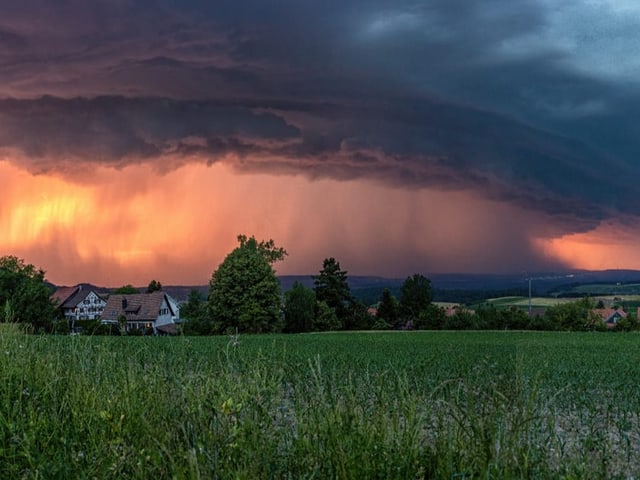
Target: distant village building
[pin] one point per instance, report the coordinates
(155, 311)
(610, 316)
(451, 311)
(79, 303)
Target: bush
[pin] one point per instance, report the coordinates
(106, 329)
(432, 318)
(86, 327)
(60, 327)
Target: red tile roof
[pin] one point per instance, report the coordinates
(63, 294)
(80, 295)
(140, 307)
(70, 297)
(609, 313)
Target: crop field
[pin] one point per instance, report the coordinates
(630, 303)
(524, 301)
(340, 405)
(626, 289)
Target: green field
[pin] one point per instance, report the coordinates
(616, 289)
(341, 405)
(524, 301)
(629, 303)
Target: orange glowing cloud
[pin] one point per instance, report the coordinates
(33, 206)
(132, 225)
(609, 246)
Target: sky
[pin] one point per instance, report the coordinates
(139, 138)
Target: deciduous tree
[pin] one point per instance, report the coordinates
(244, 293)
(415, 296)
(127, 289)
(388, 309)
(326, 318)
(433, 317)
(299, 309)
(154, 286)
(24, 295)
(194, 314)
(576, 316)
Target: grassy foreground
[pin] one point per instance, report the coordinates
(345, 405)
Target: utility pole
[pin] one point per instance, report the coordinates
(529, 297)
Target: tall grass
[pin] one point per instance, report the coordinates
(393, 405)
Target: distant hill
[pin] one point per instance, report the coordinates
(355, 281)
(181, 292)
(469, 288)
(461, 287)
(542, 283)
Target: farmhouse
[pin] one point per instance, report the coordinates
(610, 316)
(79, 303)
(155, 311)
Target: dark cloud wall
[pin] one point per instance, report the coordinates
(517, 100)
(423, 144)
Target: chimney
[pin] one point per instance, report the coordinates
(124, 303)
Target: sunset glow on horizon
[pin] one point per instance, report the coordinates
(607, 247)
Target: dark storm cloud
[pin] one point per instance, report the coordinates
(514, 99)
(114, 130)
(425, 144)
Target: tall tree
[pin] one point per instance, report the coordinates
(154, 286)
(24, 295)
(194, 314)
(326, 318)
(244, 293)
(266, 248)
(299, 309)
(415, 296)
(432, 318)
(332, 287)
(388, 309)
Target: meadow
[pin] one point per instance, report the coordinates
(337, 405)
(523, 302)
(628, 302)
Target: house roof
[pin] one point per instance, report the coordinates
(78, 297)
(62, 294)
(135, 307)
(70, 297)
(610, 314)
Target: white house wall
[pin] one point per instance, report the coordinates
(91, 308)
(166, 318)
(175, 307)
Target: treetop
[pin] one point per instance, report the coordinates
(267, 249)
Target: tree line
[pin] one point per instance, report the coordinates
(245, 297)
